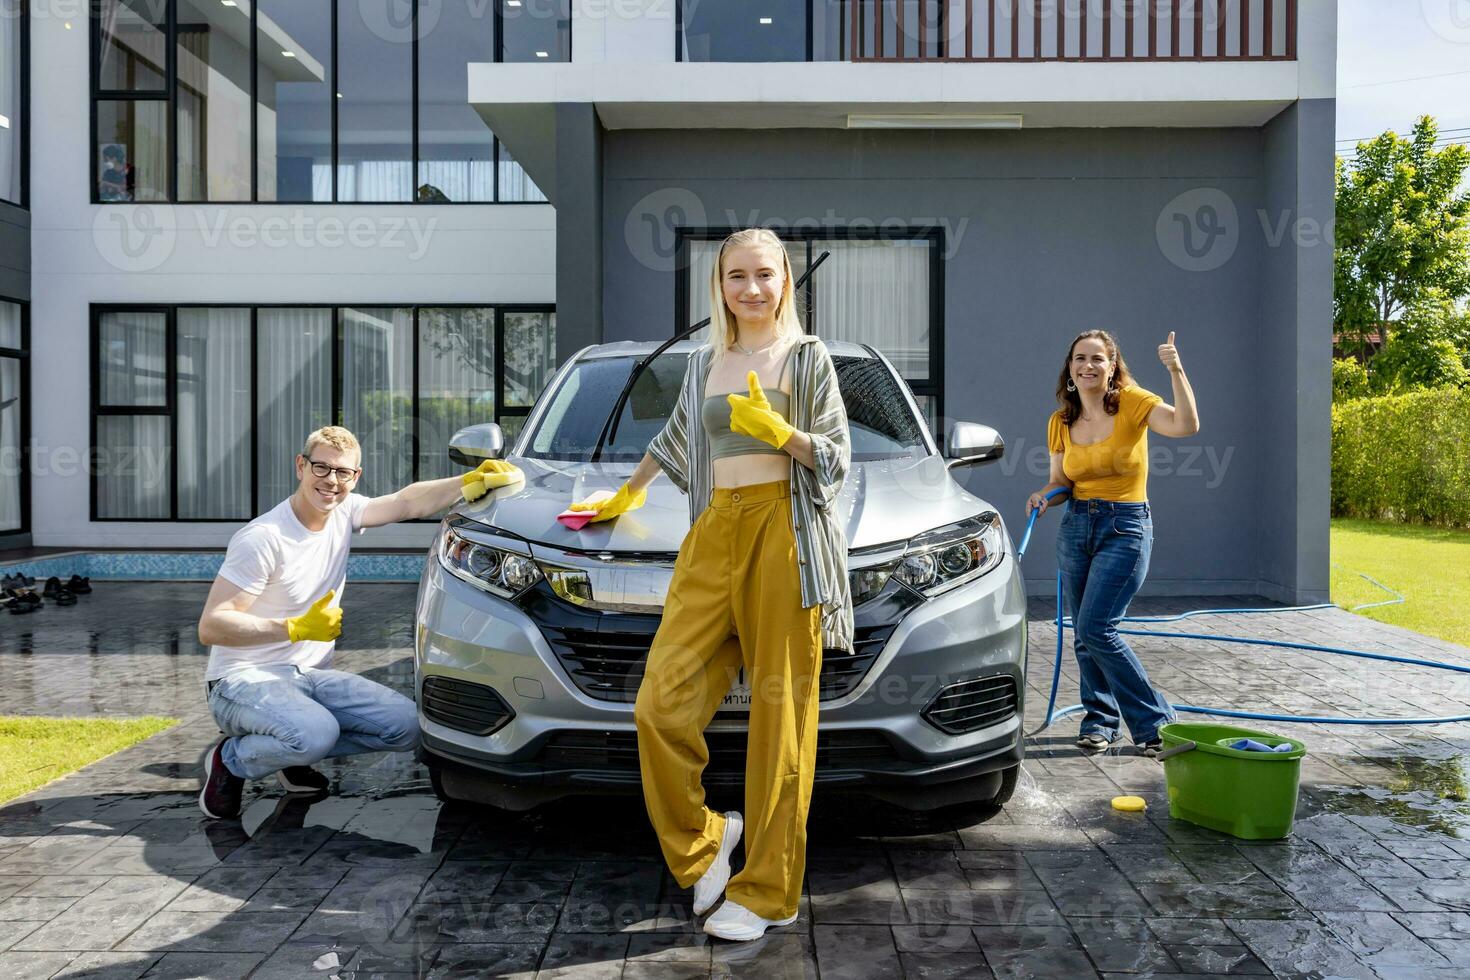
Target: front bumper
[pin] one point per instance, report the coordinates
(874, 739)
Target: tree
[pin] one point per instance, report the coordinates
(1403, 232)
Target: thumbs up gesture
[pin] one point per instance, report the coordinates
(322, 621)
(1169, 354)
(753, 415)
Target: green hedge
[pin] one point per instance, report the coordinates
(1403, 457)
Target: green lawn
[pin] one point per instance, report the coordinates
(1429, 565)
(34, 751)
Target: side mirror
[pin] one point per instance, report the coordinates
(971, 442)
(474, 444)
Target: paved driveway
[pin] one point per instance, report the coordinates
(112, 872)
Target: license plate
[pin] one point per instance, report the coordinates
(738, 697)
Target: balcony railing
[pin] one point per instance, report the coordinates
(1071, 30)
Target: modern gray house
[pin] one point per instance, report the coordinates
(990, 179)
(246, 219)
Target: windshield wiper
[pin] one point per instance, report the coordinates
(609, 425)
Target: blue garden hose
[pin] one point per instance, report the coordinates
(1052, 714)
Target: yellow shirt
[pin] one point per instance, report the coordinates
(1116, 468)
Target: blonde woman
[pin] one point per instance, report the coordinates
(759, 441)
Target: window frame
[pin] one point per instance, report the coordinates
(24, 96)
(842, 20)
(23, 355)
(168, 94)
(932, 387)
(170, 408)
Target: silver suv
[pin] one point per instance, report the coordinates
(531, 638)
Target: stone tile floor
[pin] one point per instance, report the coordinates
(112, 872)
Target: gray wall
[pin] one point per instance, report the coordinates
(1051, 232)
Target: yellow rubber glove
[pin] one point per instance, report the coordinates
(487, 476)
(619, 503)
(320, 622)
(753, 415)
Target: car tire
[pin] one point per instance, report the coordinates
(1008, 780)
(436, 781)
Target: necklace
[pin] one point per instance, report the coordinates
(747, 351)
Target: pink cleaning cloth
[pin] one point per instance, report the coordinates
(575, 519)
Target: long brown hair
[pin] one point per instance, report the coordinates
(1121, 378)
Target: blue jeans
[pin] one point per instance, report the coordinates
(1103, 550)
(280, 715)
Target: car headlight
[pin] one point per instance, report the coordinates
(505, 573)
(865, 583)
(939, 560)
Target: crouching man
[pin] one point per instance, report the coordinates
(273, 615)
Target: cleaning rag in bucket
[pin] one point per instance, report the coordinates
(1251, 745)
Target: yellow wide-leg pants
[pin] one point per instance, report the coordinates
(735, 600)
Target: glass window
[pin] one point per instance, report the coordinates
(456, 381)
(456, 148)
(134, 40)
(132, 466)
(536, 30)
(759, 30)
(11, 471)
(132, 360)
(293, 113)
(293, 392)
(132, 151)
(877, 292)
(12, 38)
(830, 26)
(375, 101)
(530, 356)
(213, 408)
(515, 183)
(377, 393)
(10, 325)
(213, 98)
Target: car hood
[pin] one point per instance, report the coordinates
(882, 501)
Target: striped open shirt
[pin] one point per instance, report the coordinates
(682, 450)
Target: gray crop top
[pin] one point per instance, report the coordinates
(715, 414)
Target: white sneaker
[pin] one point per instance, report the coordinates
(734, 921)
(711, 884)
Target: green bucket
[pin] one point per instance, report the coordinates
(1250, 795)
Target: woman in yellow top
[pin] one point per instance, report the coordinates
(1098, 441)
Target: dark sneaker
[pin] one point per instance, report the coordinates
(220, 797)
(1151, 748)
(1093, 741)
(302, 779)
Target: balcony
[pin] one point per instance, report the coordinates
(987, 30)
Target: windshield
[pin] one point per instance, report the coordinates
(880, 422)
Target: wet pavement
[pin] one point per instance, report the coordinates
(113, 872)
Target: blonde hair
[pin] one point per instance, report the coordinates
(336, 437)
(722, 328)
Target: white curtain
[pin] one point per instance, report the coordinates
(132, 359)
(377, 393)
(213, 408)
(460, 180)
(132, 466)
(877, 292)
(10, 469)
(370, 180)
(457, 360)
(294, 392)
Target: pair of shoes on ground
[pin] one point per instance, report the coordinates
(20, 600)
(1094, 742)
(731, 920)
(219, 798)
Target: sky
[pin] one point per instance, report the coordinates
(1398, 60)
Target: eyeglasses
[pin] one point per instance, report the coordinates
(322, 469)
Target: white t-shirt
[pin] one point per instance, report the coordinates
(288, 567)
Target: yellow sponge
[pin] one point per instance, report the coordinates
(1129, 804)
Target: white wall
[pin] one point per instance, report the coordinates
(84, 253)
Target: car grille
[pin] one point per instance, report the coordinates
(971, 705)
(604, 653)
(618, 751)
(463, 706)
